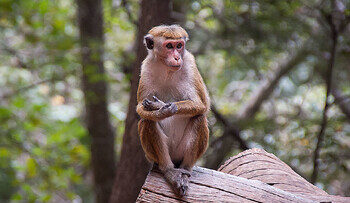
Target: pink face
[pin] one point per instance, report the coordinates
(173, 51)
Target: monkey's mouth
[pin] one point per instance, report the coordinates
(174, 67)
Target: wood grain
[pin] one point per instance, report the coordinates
(257, 164)
(258, 177)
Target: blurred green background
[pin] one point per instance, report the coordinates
(273, 54)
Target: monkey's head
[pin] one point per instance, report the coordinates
(167, 43)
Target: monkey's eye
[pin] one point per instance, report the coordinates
(169, 46)
(179, 45)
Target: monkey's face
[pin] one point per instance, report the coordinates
(169, 51)
(172, 52)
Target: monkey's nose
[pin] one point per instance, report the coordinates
(177, 58)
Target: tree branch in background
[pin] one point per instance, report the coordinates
(342, 101)
(229, 128)
(19, 90)
(329, 73)
(223, 145)
(126, 6)
(13, 52)
(263, 93)
(22, 64)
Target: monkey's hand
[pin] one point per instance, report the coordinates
(168, 110)
(156, 104)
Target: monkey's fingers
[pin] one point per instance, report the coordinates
(147, 104)
(173, 108)
(156, 99)
(167, 105)
(168, 110)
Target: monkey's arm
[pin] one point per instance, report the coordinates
(152, 110)
(200, 104)
(191, 108)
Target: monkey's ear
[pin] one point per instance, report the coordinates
(148, 41)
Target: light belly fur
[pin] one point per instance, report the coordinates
(174, 128)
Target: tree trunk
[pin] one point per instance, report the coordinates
(95, 96)
(133, 166)
(251, 176)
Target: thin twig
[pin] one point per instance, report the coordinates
(21, 89)
(125, 4)
(329, 73)
(266, 88)
(229, 128)
(14, 53)
(23, 65)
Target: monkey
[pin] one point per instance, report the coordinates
(173, 103)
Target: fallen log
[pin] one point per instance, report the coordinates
(251, 176)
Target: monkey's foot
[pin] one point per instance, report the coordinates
(179, 179)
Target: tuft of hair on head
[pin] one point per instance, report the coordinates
(169, 32)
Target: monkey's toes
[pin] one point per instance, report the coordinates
(178, 179)
(185, 172)
(182, 185)
(183, 190)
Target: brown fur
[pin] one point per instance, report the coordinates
(169, 32)
(154, 144)
(174, 129)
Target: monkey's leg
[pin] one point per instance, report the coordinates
(155, 144)
(195, 140)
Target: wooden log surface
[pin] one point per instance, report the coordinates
(251, 176)
(257, 164)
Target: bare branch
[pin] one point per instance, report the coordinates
(223, 145)
(126, 6)
(329, 73)
(231, 129)
(19, 90)
(264, 92)
(23, 65)
(15, 53)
